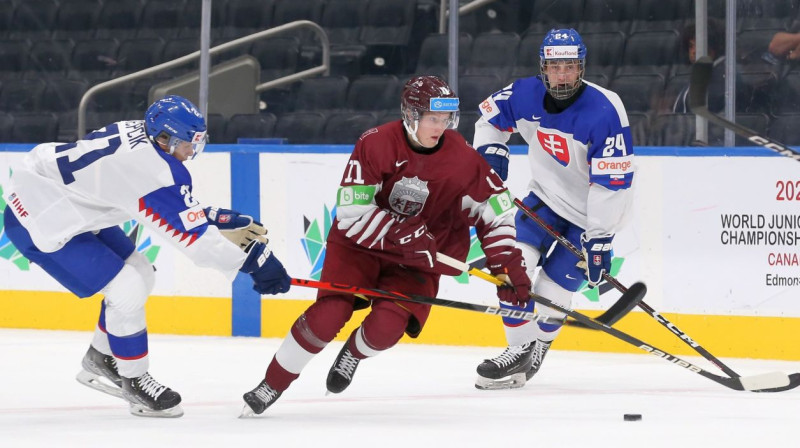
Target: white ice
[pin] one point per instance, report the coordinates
(412, 396)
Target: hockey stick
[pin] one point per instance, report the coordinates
(768, 382)
(642, 304)
(613, 314)
(373, 292)
(698, 102)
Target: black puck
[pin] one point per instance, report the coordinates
(632, 417)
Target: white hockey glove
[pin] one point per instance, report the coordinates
(240, 229)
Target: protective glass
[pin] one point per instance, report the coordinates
(198, 143)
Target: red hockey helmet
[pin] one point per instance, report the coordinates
(427, 94)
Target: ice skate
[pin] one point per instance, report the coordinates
(507, 371)
(539, 351)
(341, 374)
(259, 399)
(100, 373)
(149, 398)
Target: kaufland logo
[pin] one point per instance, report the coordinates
(561, 52)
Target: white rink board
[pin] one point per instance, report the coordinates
(672, 243)
(706, 204)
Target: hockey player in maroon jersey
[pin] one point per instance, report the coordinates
(411, 188)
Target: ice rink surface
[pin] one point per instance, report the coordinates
(411, 396)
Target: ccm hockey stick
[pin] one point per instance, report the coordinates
(768, 382)
(615, 312)
(698, 102)
(792, 380)
(373, 292)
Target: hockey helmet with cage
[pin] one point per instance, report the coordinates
(563, 47)
(174, 119)
(427, 94)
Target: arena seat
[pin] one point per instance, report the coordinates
(325, 93)
(493, 54)
(301, 127)
(347, 127)
(77, 19)
(250, 126)
(374, 93)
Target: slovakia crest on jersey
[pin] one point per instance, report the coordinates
(408, 196)
(555, 145)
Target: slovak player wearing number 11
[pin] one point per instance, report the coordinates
(65, 205)
(581, 160)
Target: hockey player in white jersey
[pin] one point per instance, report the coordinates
(581, 161)
(65, 204)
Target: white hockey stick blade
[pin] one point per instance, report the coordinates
(99, 383)
(143, 411)
(770, 380)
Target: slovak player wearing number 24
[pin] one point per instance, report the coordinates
(411, 188)
(65, 204)
(581, 160)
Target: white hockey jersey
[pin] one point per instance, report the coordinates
(581, 159)
(111, 176)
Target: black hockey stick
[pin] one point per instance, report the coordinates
(768, 382)
(615, 312)
(698, 102)
(373, 292)
(642, 304)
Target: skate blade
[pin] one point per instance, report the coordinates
(98, 382)
(247, 412)
(514, 381)
(143, 411)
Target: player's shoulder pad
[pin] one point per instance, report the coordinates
(603, 98)
(380, 132)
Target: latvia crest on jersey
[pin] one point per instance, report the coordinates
(554, 144)
(408, 196)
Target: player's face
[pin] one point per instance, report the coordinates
(431, 127)
(563, 72)
(183, 151)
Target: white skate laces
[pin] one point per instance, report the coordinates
(150, 386)
(346, 366)
(510, 355)
(265, 393)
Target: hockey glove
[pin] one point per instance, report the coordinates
(269, 276)
(497, 157)
(240, 229)
(598, 253)
(511, 269)
(413, 242)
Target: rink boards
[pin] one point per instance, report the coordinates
(713, 235)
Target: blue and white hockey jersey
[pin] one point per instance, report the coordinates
(111, 176)
(581, 158)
